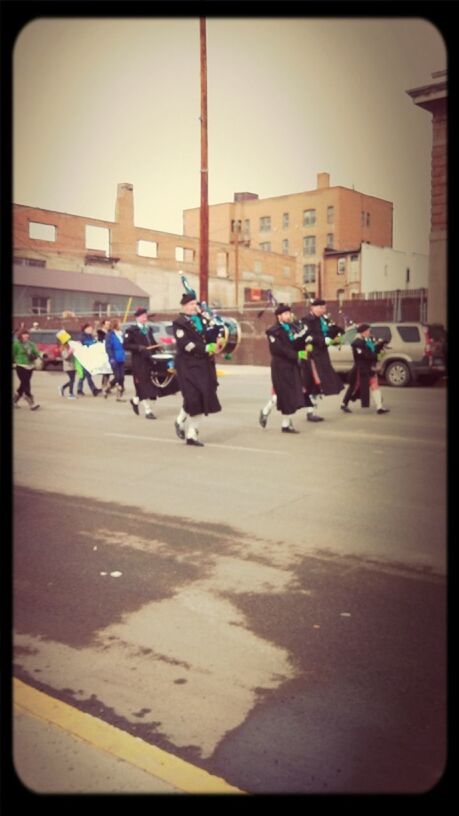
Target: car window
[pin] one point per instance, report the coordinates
(349, 336)
(409, 334)
(437, 332)
(381, 332)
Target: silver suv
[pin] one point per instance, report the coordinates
(413, 351)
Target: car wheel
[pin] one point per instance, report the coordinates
(397, 374)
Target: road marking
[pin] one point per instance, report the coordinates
(207, 445)
(357, 436)
(182, 775)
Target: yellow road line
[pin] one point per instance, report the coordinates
(182, 775)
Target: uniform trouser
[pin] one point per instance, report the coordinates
(87, 376)
(25, 376)
(71, 380)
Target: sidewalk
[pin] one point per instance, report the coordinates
(59, 749)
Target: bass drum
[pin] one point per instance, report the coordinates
(232, 335)
(163, 374)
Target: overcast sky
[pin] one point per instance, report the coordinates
(103, 101)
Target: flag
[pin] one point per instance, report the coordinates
(93, 358)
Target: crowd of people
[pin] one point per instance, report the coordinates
(301, 369)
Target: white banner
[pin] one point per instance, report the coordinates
(93, 358)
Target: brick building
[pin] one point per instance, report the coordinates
(302, 225)
(45, 239)
(433, 98)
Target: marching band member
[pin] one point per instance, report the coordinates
(318, 374)
(195, 367)
(285, 372)
(363, 377)
(139, 340)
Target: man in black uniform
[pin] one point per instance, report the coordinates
(139, 340)
(195, 367)
(285, 372)
(318, 375)
(363, 377)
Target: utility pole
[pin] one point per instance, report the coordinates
(204, 212)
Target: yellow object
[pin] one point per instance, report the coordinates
(63, 336)
(177, 772)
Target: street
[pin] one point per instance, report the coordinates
(271, 608)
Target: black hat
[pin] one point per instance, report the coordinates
(186, 297)
(282, 307)
(317, 302)
(140, 311)
(363, 327)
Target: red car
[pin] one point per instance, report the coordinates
(48, 344)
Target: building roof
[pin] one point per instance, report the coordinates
(75, 281)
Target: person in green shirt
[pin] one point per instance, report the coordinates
(24, 355)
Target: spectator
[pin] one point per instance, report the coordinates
(24, 355)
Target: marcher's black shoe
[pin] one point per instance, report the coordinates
(315, 418)
(383, 411)
(345, 409)
(150, 416)
(135, 407)
(179, 431)
(289, 430)
(195, 442)
(262, 419)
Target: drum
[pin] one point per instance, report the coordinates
(232, 335)
(163, 373)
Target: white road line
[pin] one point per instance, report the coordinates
(357, 436)
(207, 444)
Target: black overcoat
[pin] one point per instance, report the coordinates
(363, 370)
(318, 365)
(285, 371)
(135, 341)
(195, 368)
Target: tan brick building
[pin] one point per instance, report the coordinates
(150, 258)
(301, 225)
(433, 98)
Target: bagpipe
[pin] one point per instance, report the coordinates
(222, 330)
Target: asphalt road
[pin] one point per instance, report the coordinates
(269, 607)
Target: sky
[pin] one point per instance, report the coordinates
(103, 101)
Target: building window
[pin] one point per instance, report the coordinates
(41, 305)
(287, 272)
(42, 232)
(368, 219)
(98, 238)
(330, 240)
(29, 262)
(309, 273)
(257, 267)
(341, 266)
(309, 217)
(407, 279)
(236, 226)
(246, 224)
(340, 296)
(330, 215)
(285, 246)
(309, 245)
(147, 249)
(285, 220)
(265, 223)
(99, 308)
(362, 218)
(265, 246)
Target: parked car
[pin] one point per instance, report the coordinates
(48, 344)
(163, 333)
(415, 351)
